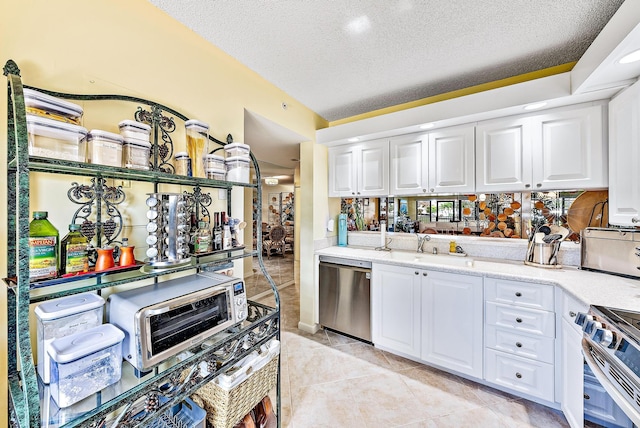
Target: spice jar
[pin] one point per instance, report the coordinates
(197, 144)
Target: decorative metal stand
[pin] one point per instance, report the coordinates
(163, 149)
(197, 203)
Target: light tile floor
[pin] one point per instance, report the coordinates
(329, 380)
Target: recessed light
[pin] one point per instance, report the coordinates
(359, 25)
(353, 140)
(535, 106)
(427, 125)
(631, 57)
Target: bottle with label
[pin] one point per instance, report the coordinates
(43, 247)
(226, 232)
(217, 232)
(202, 243)
(73, 251)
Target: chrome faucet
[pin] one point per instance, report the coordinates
(422, 238)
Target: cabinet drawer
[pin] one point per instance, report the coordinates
(570, 308)
(521, 374)
(537, 296)
(525, 320)
(539, 348)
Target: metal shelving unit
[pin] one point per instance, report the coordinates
(174, 379)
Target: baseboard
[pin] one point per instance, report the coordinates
(309, 328)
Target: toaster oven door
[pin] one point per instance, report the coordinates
(172, 327)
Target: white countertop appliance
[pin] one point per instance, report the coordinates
(164, 319)
(615, 251)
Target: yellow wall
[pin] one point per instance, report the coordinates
(133, 48)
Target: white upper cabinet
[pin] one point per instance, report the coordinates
(438, 162)
(360, 170)
(503, 154)
(569, 149)
(561, 149)
(624, 158)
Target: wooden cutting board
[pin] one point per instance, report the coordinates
(588, 203)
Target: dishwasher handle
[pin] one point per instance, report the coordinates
(349, 267)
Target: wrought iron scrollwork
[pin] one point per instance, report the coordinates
(98, 214)
(197, 203)
(163, 146)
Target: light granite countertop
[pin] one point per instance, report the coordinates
(591, 288)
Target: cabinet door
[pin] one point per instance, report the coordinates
(452, 321)
(395, 309)
(409, 166)
(569, 150)
(624, 157)
(372, 165)
(503, 155)
(572, 373)
(451, 160)
(342, 171)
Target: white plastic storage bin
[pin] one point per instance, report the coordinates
(237, 169)
(63, 317)
(136, 153)
(104, 148)
(85, 363)
(54, 139)
(133, 129)
(216, 174)
(212, 161)
(237, 149)
(40, 104)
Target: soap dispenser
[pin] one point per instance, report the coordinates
(342, 230)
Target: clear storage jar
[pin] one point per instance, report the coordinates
(136, 153)
(216, 173)
(237, 169)
(104, 148)
(85, 363)
(63, 317)
(212, 161)
(134, 129)
(237, 149)
(40, 104)
(54, 139)
(197, 145)
(182, 164)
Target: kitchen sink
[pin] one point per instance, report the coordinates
(444, 259)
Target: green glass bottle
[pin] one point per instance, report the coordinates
(73, 251)
(43, 247)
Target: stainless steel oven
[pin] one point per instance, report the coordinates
(611, 347)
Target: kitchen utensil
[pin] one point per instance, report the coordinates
(544, 229)
(589, 210)
(538, 238)
(555, 229)
(548, 239)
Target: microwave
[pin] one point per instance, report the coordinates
(164, 319)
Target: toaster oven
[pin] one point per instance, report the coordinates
(615, 251)
(164, 319)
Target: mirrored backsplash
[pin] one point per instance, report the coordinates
(498, 215)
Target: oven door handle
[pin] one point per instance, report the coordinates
(613, 392)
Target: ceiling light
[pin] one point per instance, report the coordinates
(535, 106)
(427, 125)
(359, 25)
(271, 181)
(631, 57)
(353, 140)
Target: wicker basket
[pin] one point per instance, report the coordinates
(225, 408)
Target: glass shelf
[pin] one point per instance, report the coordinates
(57, 166)
(60, 287)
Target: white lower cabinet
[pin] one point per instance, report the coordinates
(395, 309)
(520, 336)
(452, 321)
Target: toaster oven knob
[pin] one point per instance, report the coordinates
(582, 318)
(239, 301)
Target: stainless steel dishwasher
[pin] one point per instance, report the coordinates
(345, 296)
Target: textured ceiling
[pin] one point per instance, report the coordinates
(345, 57)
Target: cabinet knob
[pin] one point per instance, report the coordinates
(353, 193)
(539, 185)
(424, 190)
(586, 396)
(518, 294)
(527, 186)
(358, 193)
(635, 220)
(417, 273)
(518, 319)
(518, 375)
(572, 314)
(432, 190)
(424, 274)
(519, 345)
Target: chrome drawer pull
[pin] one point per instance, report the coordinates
(518, 375)
(519, 345)
(518, 294)
(518, 319)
